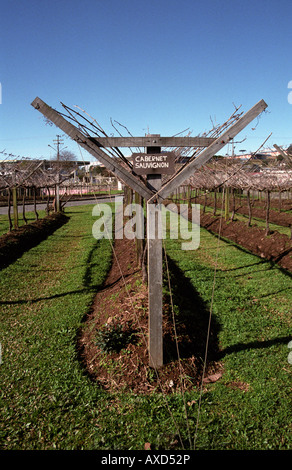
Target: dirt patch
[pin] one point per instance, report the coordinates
(244, 387)
(13, 244)
(127, 369)
(279, 218)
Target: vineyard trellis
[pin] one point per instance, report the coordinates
(25, 175)
(90, 136)
(238, 177)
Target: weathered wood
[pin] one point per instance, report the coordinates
(15, 208)
(9, 210)
(88, 144)
(153, 141)
(155, 289)
(23, 207)
(162, 163)
(249, 208)
(210, 151)
(284, 154)
(48, 201)
(268, 196)
(153, 193)
(226, 203)
(34, 203)
(154, 244)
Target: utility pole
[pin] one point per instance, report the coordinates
(58, 142)
(15, 207)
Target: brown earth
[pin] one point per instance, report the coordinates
(279, 218)
(275, 247)
(128, 369)
(258, 209)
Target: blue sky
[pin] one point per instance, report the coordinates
(162, 65)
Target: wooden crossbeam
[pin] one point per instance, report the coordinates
(210, 151)
(284, 154)
(153, 192)
(152, 141)
(110, 163)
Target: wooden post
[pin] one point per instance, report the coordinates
(227, 203)
(48, 201)
(189, 196)
(34, 202)
(268, 212)
(9, 210)
(249, 208)
(23, 207)
(233, 204)
(57, 190)
(154, 272)
(215, 201)
(15, 208)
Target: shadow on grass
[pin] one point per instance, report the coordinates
(88, 284)
(49, 297)
(15, 243)
(270, 263)
(191, 319)
(254, 345)
(192, 322)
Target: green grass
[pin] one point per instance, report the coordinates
(50, 289)
(30, 216)
(250, 407)
(48, 401)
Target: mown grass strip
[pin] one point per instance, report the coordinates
(44, 296)
(250, 407)
(48, 401)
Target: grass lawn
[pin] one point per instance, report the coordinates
(250, 407)
(30, 216)
(47, 400)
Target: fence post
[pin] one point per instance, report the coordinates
(154, 243)
(15, 208)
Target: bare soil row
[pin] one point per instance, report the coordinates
(128, 368)
(275, 247)
(258, 209)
